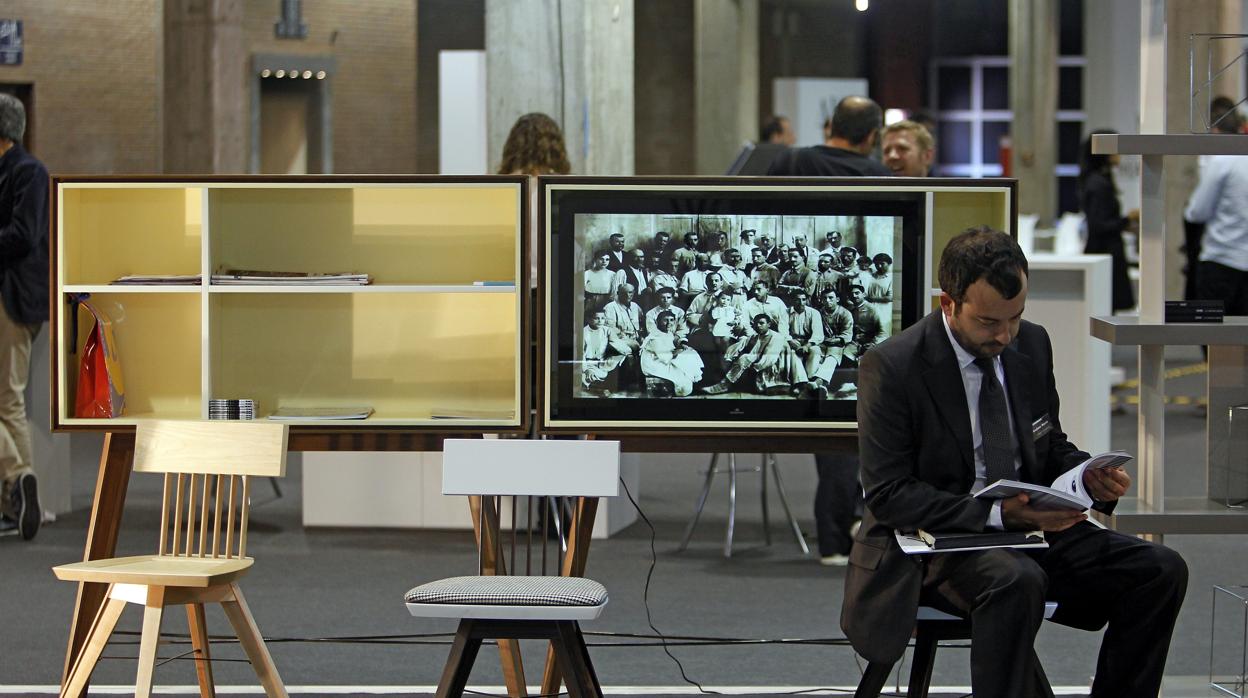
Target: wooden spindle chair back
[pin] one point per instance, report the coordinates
(528, 534)
(205, 503)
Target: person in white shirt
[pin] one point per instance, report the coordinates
(634, 274)
(747, 243)
(766, 304)
(678, 326)
(805, 334)
(694, 281)
(623, 318)
(597, 361)
(1221, 203)
(731, 272)
(598, 283)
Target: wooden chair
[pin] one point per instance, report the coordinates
(528, 603)
(208, 468)
(931, 625)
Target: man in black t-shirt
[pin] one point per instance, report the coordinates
(855, 127)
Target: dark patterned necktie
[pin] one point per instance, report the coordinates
(994, 426)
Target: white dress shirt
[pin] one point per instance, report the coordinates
(972, 377)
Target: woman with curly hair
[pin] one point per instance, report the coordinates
(535, 147)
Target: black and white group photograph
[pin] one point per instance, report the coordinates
(731, 306)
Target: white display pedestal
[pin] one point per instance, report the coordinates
(1063, 293)
(404, 490)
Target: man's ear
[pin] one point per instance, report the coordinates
(947, 305)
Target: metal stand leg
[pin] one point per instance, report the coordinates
(697, 512)
(762, 470)
(784, 500)
(732, 502)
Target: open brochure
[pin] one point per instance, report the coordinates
(1066, 492)
(922, 542)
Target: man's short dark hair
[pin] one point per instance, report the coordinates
(855, 119)
(747, 231)
(982, 253)
(882, 257)
(688, 237)
(772, 127)
(1223, 117)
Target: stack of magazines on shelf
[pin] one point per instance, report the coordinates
(158, 280)
(247, 277)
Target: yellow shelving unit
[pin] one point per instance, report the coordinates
(426, 344)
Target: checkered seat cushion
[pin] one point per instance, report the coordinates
(509, 597)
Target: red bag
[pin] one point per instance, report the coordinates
(101, 393)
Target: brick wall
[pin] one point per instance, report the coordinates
(374, 90)
(96, 72)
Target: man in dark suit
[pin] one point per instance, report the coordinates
(959, 398)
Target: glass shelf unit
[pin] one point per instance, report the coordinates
(433, 343)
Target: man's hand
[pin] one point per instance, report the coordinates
(1017, 514)
(1106, 484)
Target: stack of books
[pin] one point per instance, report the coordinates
(247, 277)
(157, 280)
(231, 409)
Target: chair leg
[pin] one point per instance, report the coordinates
(569, 662)
(873, 680)
(552, 673)
(513, 668)
(198, 626)
(459, 664)
(253, 644)
(589, 663)
(153, 613)
(921, 668)
(93, 647)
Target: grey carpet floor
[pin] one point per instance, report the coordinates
(319, 592)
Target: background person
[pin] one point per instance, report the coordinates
(908, 149)
(24, 292)
(1098, 199)
(855, 127)
(534, 147)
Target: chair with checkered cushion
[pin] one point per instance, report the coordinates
(545, 490)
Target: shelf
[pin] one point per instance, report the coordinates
(1129, 331)
(1180, 515)
(371, 288)
(1169, 144)
(131, 288)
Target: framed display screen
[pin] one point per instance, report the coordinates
(710, 305)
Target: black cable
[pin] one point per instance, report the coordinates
(645, 592)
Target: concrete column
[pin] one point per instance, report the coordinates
(1180, 20)
(725, 60)
(573, 61)
(1033, 99)
(205, 91)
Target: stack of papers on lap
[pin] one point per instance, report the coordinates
(923, 542)
(326, 413)
(244, 277)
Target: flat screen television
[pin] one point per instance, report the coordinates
(713, 304)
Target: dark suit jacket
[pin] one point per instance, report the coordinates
(918, 465)
(23, 236)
